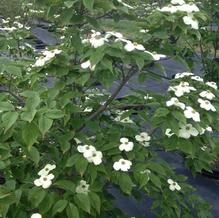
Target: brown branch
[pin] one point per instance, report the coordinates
(103, 107)
(131, 106)
(18, 98)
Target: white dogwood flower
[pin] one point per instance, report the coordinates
(173, 185)
(147, 97)
(169, 133)
(207, 94)
(174, 101)
(191, 21)
(83, 187)
(177, 2)
(182, 75)
(197, 78)
(88, 151)
(45, 181)
(87, 64)
(123, 165)
(205, 104)
(181, 89)
(211, 84)
(95, 157)
(191, 113)
(132, 46)
(208, 128)
(126, 145)
(186, 131)
(45, 171)
(97, 42)
(85, 148)
(36, 215)
(143, 138)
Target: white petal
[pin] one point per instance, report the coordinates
(37, 182)
(170, 181)
(116, 166)
(129, 47)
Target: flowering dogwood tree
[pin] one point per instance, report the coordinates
(65, 139)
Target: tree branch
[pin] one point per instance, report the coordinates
(103, 107)
(18, 98)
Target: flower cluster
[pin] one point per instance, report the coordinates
(91, 154)
(188, 130)
(143, 138)
(97, 39)
(46, 177)
(83, 187)
(46, 56)
(181, 6)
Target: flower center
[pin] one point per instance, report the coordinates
(45, 179)
(123, 162)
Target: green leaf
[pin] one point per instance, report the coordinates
(55, 114)
(81, 165)
(30, 134)
(125, 183)
(6, 106)
(83, 201)
(45, 124)
(66, 185)
(59, 206)
(155, 180)
(34, 155)
(70, 4)
(161, 112)
(179, 116)
(36, 195)
(28, 115)
(47, 202)
(72, 160)
(8, 119)
(72, 211)
(95, 201)
(88, 4)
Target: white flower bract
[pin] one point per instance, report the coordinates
(173, 185)
(174, 101)
(211, 84)
(191, 113)
(83, 187)
(207, 94)
(186, 131)
(205, 104)
(91, 154)
(169, 132)
(45, 181)
(126, 145)
(143, 138)
(45, 171)
(132, 46)
(123, 165)
(36, 215)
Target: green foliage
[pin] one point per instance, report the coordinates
(64, 142)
